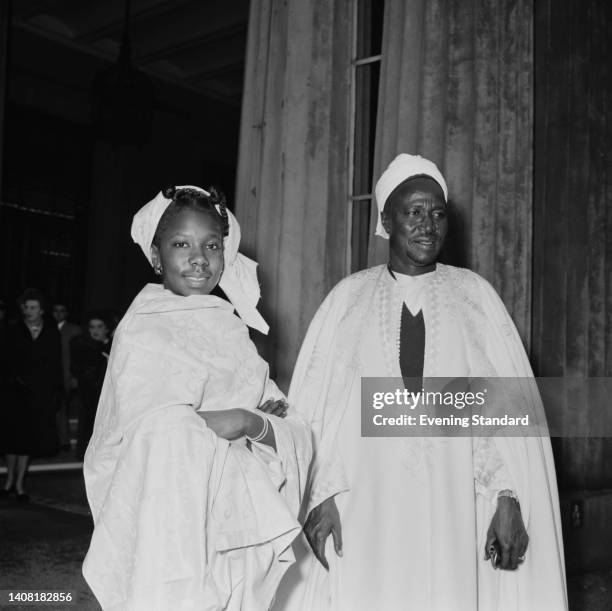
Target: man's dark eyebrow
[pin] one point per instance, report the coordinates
(424, 198)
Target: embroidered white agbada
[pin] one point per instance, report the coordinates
(415, 511)
(184, 519)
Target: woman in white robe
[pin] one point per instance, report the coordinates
(188, 514)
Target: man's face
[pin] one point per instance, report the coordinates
(415, 217)
(32, 311)
(60, 312)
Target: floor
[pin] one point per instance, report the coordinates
(44, 543)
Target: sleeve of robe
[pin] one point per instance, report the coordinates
(289, 463)
(315, 377)
(539, 582)
(490, 473)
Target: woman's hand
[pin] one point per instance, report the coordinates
(229, 424)
(276, 408)
(323, 520)
(506, 536)
(232, 424)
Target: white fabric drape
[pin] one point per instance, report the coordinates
(292, 170)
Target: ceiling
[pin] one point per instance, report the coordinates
(199, 45)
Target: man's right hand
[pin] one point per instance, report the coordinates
(323, 520)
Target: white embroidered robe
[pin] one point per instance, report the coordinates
(184, 519)
(415, 511)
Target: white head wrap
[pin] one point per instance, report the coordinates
(402, 168)
(239, 278)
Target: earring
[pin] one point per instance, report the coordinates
(158, 270)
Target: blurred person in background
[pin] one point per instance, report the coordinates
(33, 381)
(90, 352)
(68, 331)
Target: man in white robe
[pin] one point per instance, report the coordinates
(412, 519)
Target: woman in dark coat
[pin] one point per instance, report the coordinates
(33, 381)
(90, 353)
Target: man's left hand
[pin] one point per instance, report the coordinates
(507, 533)
(276, 407)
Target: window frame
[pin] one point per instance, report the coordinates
(352, 196)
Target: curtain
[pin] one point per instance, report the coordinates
(456, 87)
(292, 171)
(572, 331)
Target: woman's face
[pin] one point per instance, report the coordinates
(98, 330)
(32, 311)
(190, 253)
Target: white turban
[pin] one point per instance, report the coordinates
(239, 278)
(402, 168)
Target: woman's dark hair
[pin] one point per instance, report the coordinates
(192, 199)
(98, 315)
(32, 295)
